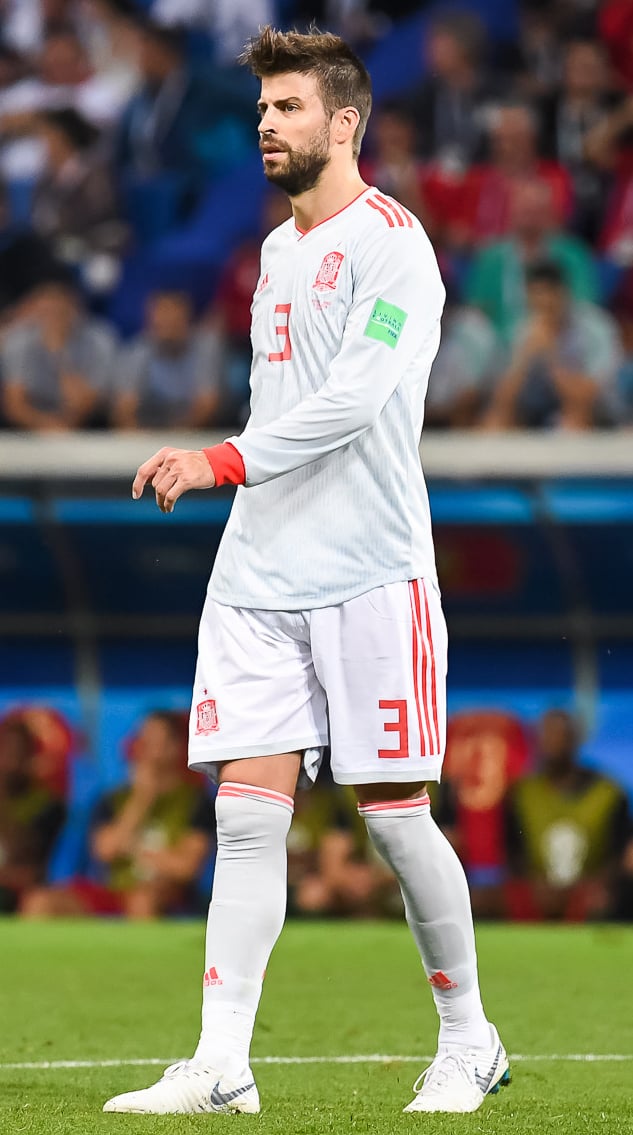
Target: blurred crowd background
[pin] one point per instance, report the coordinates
(541, 836)
(132, 208)
(132, 203)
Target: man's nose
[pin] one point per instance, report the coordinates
(266, 125)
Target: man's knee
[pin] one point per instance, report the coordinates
(377, 793)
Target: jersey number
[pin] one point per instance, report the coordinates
(282, 328)
(399, 726)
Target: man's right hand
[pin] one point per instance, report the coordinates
(172, 473)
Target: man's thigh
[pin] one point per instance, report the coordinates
(255, 693)
(382, 659)
(278, 772)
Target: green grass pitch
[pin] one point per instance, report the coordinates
(98, 991)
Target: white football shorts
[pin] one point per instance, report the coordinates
(367, 677)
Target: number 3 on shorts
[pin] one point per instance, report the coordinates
(399, 726)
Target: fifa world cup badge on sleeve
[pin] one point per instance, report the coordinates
(207, 717)
(385, 323)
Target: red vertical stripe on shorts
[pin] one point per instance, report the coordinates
(415, 637)
(429, 633)
(425, 666)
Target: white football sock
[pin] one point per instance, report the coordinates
(246, 915)
(437, 906)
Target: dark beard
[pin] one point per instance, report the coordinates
(302, 169)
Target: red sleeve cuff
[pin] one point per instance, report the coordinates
(227, 464)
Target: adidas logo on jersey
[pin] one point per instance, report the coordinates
(211, 978)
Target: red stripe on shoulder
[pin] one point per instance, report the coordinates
(389, 204)
(406, 214)
(399, 211)
(379, 209)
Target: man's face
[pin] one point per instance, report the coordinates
(557, 741)
(394, 135)
(62, 61)
(294, 131)
(585, 72)
(513, 136)
(444, 53)
(532, 209)
(156, 745)
(547, 301)
(16, 758)
(55, 306)
(169, 319)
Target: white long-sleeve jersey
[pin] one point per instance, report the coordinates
(345, 327)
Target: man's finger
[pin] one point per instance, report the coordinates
(162, 485)
(173, 494)
(147, 470)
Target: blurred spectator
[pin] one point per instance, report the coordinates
(229, 23)
(75, 203)
(534, 63)
(623, 905)
(584, 100)
(567, 831)
(609, 145)
(182, 122)
(63, 77)
(107, 31)
(615, 22)
(564, 364)
(465, 369)
(55, 744)
(230, 315)
(331, 869)
(25, 260)
(57, 363)
(486, 752)
(27, 23)
(152, 837)
(171, 376)
(31, 817)
(450, 103)
(623, 311)
(394, 166)
(496, 281)
(484, 207)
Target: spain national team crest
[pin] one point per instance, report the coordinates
(328, 272)
(207, 717)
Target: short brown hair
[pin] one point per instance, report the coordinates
(343, 80)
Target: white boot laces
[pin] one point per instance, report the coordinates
(444, 1066)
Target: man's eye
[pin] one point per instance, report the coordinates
(291, 106)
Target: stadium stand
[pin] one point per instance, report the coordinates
(99, 597)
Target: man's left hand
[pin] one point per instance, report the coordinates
(173, 472)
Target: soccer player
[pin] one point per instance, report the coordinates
(323, 619)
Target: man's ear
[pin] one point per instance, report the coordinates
(345, 123)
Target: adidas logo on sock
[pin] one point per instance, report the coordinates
(211, 977)
(441, 981)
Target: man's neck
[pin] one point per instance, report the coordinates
(334, 191)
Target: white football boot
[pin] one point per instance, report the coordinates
(187, 1088)
(459, 1079)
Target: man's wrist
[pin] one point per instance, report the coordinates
(227, 464)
